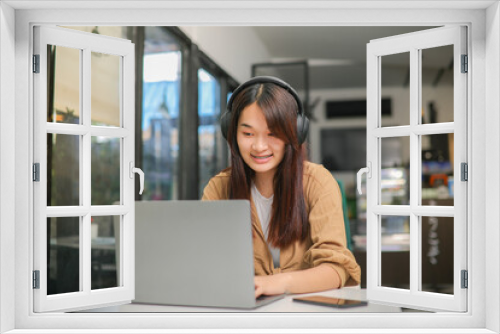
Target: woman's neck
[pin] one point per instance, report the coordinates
(265, 183)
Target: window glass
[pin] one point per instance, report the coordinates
(395, 171)
(63, 256)
(105, 86)
(105, 233)
(437, 252)
(63, 170)
(395, 251)
(105, 170)
(160, 114)
(437, 84)
(63, 84)
(437, 169)
(208, 129)
(395, 80)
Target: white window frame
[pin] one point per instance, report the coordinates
(413, 44)
(86, 43)
(484, 212)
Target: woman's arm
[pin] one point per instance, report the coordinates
(320, 278)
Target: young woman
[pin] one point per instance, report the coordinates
(297, 220)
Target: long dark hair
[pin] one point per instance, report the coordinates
(289, 221)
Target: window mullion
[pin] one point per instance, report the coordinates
(415, 93)
(372, 184)
(109, 132)
(419, 210)
(86, 98)
(434, 129)
(66, 129)
(392, 131)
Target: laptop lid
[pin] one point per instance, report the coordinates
(196, 253)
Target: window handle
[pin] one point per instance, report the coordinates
(367, 170)
(141, 175)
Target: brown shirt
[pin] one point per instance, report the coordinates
(326, 242)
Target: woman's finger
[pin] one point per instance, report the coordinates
(258, 291)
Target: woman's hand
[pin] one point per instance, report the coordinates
(270, 285)
(315, 279)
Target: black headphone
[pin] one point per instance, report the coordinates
(302, 120)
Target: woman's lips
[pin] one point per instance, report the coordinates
(261, 159)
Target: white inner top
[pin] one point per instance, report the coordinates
(264, 208)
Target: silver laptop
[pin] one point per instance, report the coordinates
(196, 253)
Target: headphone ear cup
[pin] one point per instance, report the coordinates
(224, 123)
(302, 128)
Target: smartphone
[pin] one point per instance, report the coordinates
(330, 301)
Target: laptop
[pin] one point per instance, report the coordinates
(195, 253)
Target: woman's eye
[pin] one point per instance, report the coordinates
(247, 134)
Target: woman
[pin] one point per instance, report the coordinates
(297, 220)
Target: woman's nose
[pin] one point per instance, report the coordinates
(260, 143)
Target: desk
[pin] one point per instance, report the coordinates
(284, 305)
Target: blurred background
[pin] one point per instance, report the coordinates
(184, 78)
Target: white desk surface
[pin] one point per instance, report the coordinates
(283, 305)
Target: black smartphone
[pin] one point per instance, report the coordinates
(330, 301)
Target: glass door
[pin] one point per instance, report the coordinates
(400, 200)
(84, 161)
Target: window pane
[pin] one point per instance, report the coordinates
(160, 114)
(395, 171)
(63, 84)
(437, 84)
(105, 89)
(105, 251)
(209, 126)
(437, 252)
(437, 169)
(105, 171)
(395, 81)
(63, 170)
(63, 256)
(395, 249)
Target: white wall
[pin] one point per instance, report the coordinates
(441, 95)
(490, 167)
(7, 173)
(234, 49)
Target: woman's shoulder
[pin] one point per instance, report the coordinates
(218, 186)
(312, 169)
(225, 173)
(318, 175)
(222, 177)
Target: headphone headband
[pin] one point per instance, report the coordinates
(302, 120)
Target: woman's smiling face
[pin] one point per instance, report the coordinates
(258, 146)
